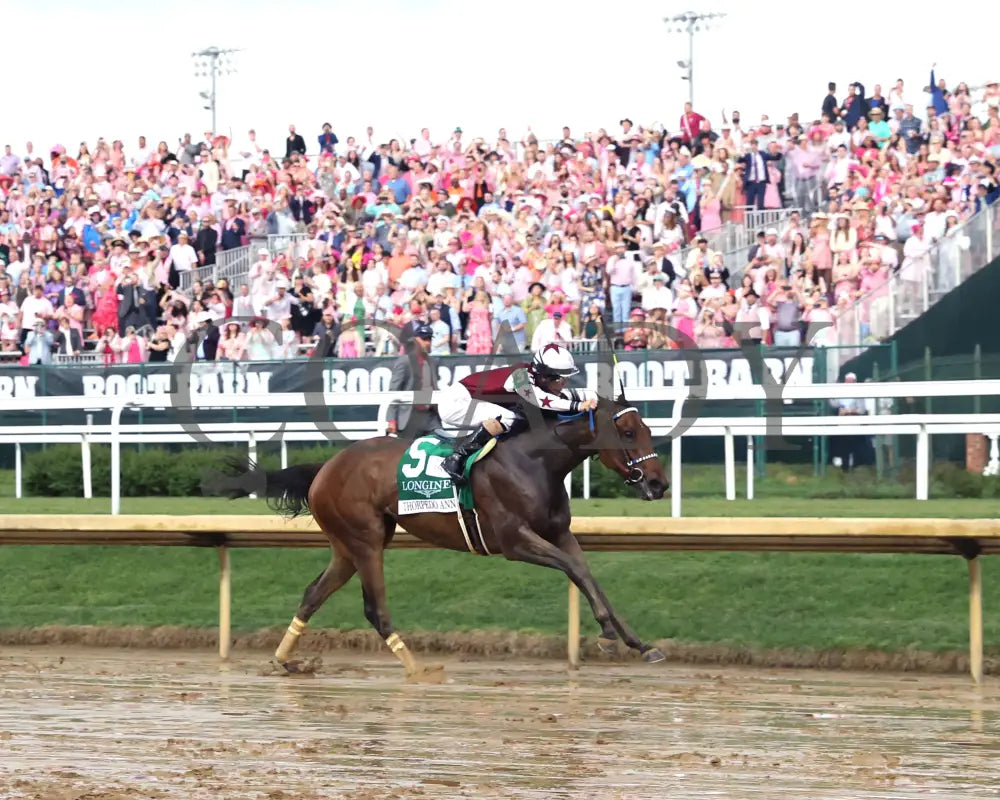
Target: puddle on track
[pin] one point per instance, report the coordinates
(116, 724)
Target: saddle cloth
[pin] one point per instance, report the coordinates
(425, 487)
(423, 484)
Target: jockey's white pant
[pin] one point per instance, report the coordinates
(458, 410)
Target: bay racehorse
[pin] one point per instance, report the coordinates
(520, 497)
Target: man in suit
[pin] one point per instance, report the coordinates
(38, 344)
(207, 337)
(755, 174)
(414, 371)
(131, 302)
(326, 332)
(68, 341)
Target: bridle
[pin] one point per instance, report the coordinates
(635, 473)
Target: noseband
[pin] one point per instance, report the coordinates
(635, 474)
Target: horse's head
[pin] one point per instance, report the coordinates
(628, 450)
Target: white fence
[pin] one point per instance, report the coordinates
(922, 426)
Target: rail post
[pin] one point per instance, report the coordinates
(573, 628)
(225, 602)
(730, 455)
(116, 459)
(88, 484)
(18, 476)
(923, 463)
(252, 454)
(750, 467)
(586, 479)
(976, 618)
(675, 475)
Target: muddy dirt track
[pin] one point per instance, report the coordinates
(103, 724)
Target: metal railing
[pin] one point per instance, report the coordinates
(229, 264)
(84, 357)
(914, 289)
(234, 264)
(289, 243)
(761, 219)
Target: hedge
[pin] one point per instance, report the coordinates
(56, 471)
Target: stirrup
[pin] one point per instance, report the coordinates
(458, 475)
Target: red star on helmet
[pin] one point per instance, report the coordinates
(548, 347)
(546, 403)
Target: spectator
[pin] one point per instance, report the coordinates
(207, 337)
(294, 144)
(583, 218)
(549, 330)
(787, 317)
(38, 343)
(259, 340)
(183, 256)
(327, 140)
(34, 309)
(852, 450)
(68, 341)
(480, 328)
(513, 316)
(326, 332)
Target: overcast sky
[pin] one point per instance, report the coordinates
(77, 71)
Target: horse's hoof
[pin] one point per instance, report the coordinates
(607, 646)
(427, 673)
(653, 656)
(307, 666)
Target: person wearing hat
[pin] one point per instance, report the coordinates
(915, 270)
(879, 127)
(656, 294)
(751, 320)
(663, 264)
(951, 245)
(207, 337)
(414, 371)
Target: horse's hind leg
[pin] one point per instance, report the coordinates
(339, 571)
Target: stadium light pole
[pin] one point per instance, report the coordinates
(213, 62)
(690, 22)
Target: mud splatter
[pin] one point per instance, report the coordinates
(197, 729)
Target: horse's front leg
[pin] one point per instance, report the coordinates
(567, 556)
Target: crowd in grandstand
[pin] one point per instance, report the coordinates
(558, 239)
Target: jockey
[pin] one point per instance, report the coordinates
(542, 383)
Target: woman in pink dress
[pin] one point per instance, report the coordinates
(479, 334)
(106, 307)
(711, 210)
(685, 311)
(772, 197)
(819, 246)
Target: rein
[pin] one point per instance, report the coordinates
(631, 464)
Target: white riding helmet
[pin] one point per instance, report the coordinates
(553, 361)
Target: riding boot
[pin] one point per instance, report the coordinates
(454, 464)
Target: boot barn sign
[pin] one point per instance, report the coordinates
(637, 370)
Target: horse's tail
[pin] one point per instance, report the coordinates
(286, 490)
